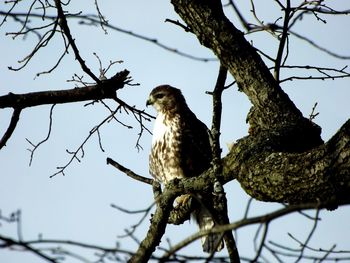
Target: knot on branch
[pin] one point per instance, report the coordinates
(116, 82)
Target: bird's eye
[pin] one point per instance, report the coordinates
(159, 95)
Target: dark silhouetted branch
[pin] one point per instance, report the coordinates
(130, 173)
(105, 90)
(14, 120)
(9, 242)
(64, 26)
(36, 146)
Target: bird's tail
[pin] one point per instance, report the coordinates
(211, 242)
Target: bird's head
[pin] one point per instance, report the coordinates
(166, 98)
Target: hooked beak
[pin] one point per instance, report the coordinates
(149, 101)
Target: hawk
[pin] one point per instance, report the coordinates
(181, 148)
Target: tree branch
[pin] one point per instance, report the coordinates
(11, 127)
(105, 90)
(283, 160)
(274, 108)
(8, 242)
(64, 25)
(245, 222)
(130, 173)
(268, 173)
(283, 38)
(156, 230)
(93, 20)
(219, 198)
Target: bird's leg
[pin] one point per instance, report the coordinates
(184, 206)
(182, 200)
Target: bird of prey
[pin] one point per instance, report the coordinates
(180, 149)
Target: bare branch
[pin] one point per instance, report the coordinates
(129, 173)
(243, 21)
(95, 20)
(220, 201)
(177, 22)
(104, 90)
(313, 114)
(283, 39)
(305, 243)
(74, 154)
(65, 52)
(36, 146)
(217, 112)
(144, 212)
(8, 242)
(330, 254)
(11, 127)
(102, 19)
(245, 222)
(43, 41)
(64, 25)
(317, 46)
(157, 228)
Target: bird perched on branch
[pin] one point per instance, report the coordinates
(181, 148)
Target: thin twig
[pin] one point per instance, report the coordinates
(262, 242)
(317, 46)
(95, 20)
(12, 126)
(130, 173)
(177, 22)
(133, 227)
(243, 21)
(305, 243)
(313, 114)
(61, 169)
(32, 151)
(11, 242)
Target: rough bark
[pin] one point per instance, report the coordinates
(208, 22)
(321, 174)
(284, 158)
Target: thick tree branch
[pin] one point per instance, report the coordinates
(272, 109)
(156, 230)
(268, 173)
(107, 89)
(317, 178)
(215, 31)
(283, 159)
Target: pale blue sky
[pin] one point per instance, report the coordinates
(77, 206)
